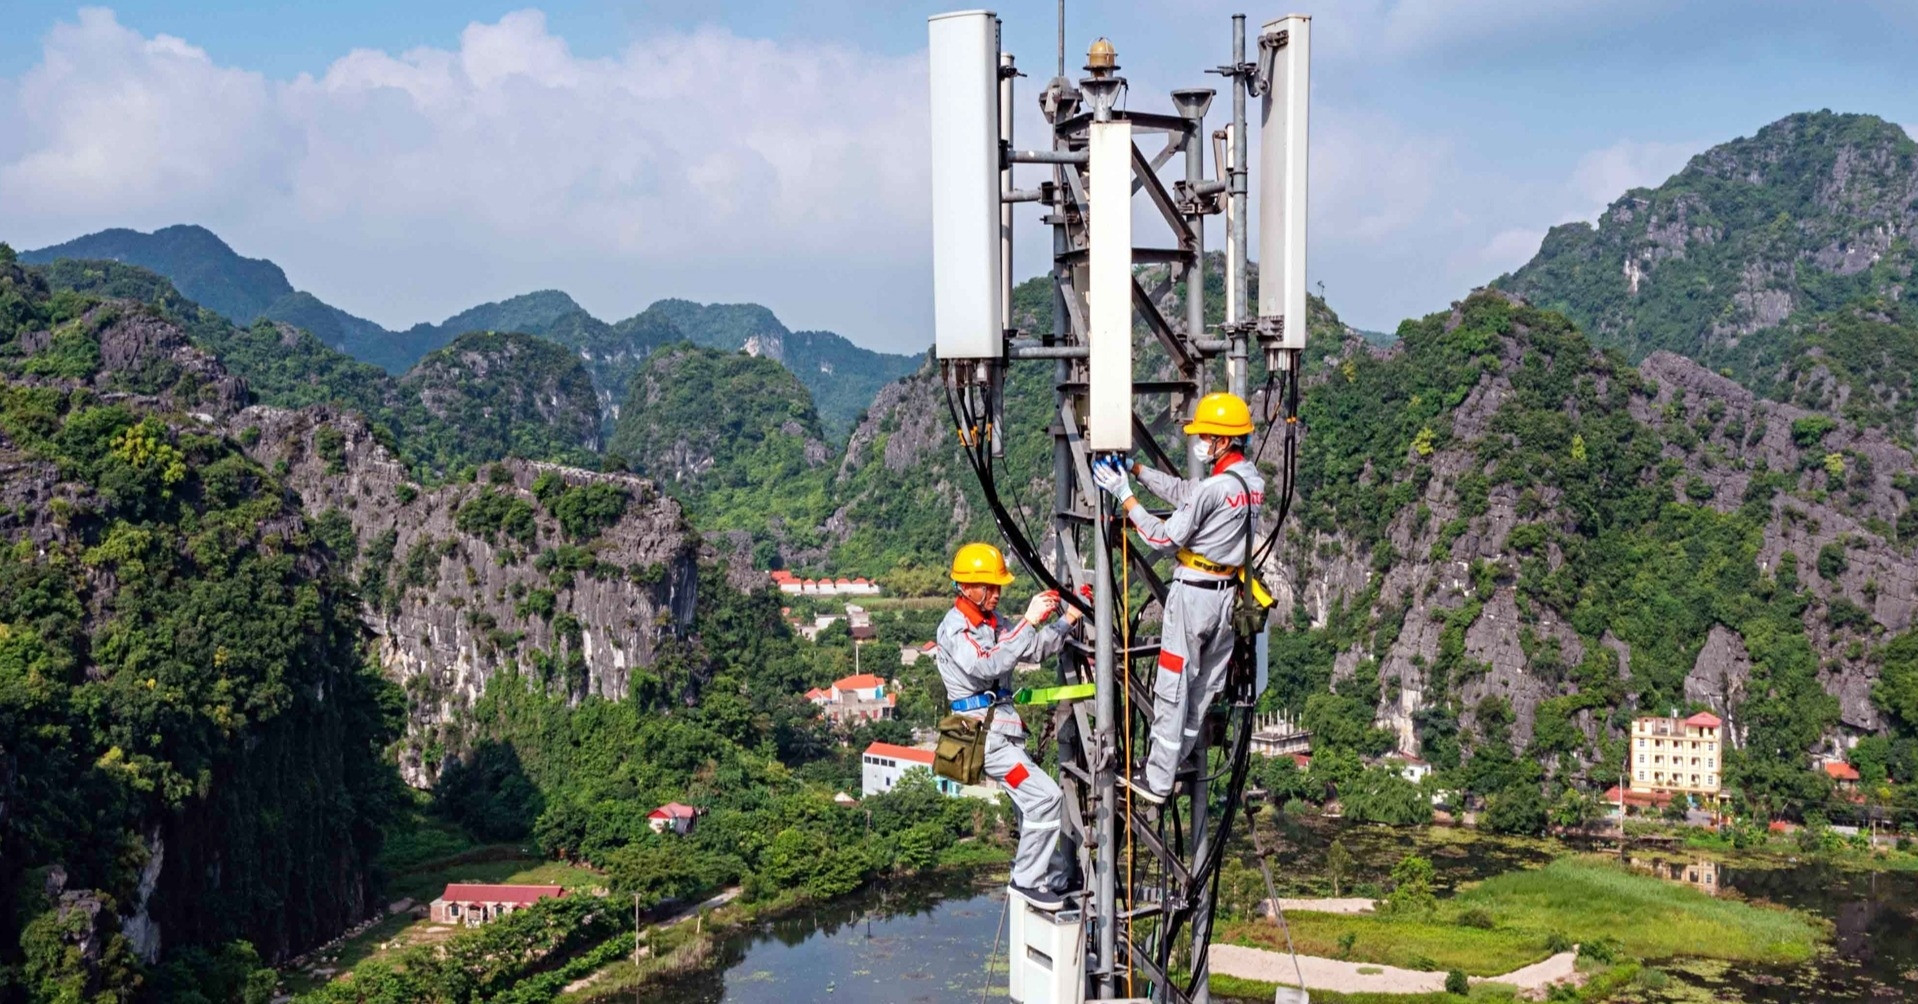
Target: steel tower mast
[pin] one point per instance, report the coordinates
(1142, 927)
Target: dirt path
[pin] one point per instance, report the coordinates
(1348, 905)
(1356, 977)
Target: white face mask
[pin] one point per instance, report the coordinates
(1203, 448)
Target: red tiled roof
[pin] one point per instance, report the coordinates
(1839, 770)
(864, 681)
(1303, 760)
(1705, 720)
(900, 753)
(1659, 798)
(816, 693)
(673, 810)
(519, 894)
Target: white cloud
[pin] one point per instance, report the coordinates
(1508, 249)
(507, 159)
(1605, 174)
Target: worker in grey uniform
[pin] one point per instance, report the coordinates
(976, 654)
(1208, 532)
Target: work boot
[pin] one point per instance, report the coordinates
(1140, 790)
(1040, 898)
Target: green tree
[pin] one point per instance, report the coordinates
(1411, 894)
(1338, 864)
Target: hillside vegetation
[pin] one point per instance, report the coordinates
(1782, 258)
(180, 674)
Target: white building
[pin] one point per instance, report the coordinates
(1409, 767)
(1280, 735)
(862, 696)
(884, 764)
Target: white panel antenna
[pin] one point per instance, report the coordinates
(967, 287)
(1285, 47)
(1109, 296)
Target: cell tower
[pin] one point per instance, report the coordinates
(1142, 928)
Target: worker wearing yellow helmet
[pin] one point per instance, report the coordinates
(1207, 531)
(976, 653)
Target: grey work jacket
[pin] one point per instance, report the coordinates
(1210, 516)
(976, 654)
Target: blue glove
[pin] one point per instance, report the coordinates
(1109, 474)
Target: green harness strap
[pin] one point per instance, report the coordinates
(1052, 695)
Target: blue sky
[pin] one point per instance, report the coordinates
(405, 161)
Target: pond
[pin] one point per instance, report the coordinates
(931, 941)
(908, 942)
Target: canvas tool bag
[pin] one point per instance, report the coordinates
(961, 753)
(1251, 599)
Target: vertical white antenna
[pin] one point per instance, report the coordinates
(1109, 408)
(966, 273)
(1285, 49)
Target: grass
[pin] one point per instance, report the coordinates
(1583, 899)
(1590, 898)
(1233, 988)
(1393, 941)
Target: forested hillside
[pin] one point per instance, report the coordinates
(736, 437)
(242, 290)
(1783, 259)
(492, 396)
(190, 740)
(842, 377)
(1504, 533)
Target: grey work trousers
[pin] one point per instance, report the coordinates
(1195, 647)
(1041, 862)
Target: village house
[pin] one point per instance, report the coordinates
(883, 765)
(861, 697)
(1676, 756)
(1280, 734)
(474, 905)
(1409, 767)
(792, 585)
(674, 817)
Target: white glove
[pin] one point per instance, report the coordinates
(1109, 475)
(1041, 608)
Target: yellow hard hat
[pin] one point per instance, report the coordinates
(1220, 414)
(980, 563)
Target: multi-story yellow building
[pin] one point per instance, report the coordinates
(1676, 755)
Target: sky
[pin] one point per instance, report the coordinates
(407, 161)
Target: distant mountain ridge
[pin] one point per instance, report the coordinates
(1783, 259)
(842, 377)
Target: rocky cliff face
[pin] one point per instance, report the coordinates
(490, 384)
(453, 601)
(1783, 258)
(191, 741)
(1580, 538)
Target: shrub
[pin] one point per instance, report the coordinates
(1456, 983)
(1476, 917)
(1811, 429)
(1557, 942)
(1832, 561)
(1600, 950)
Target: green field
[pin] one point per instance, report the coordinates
(1585, 900)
